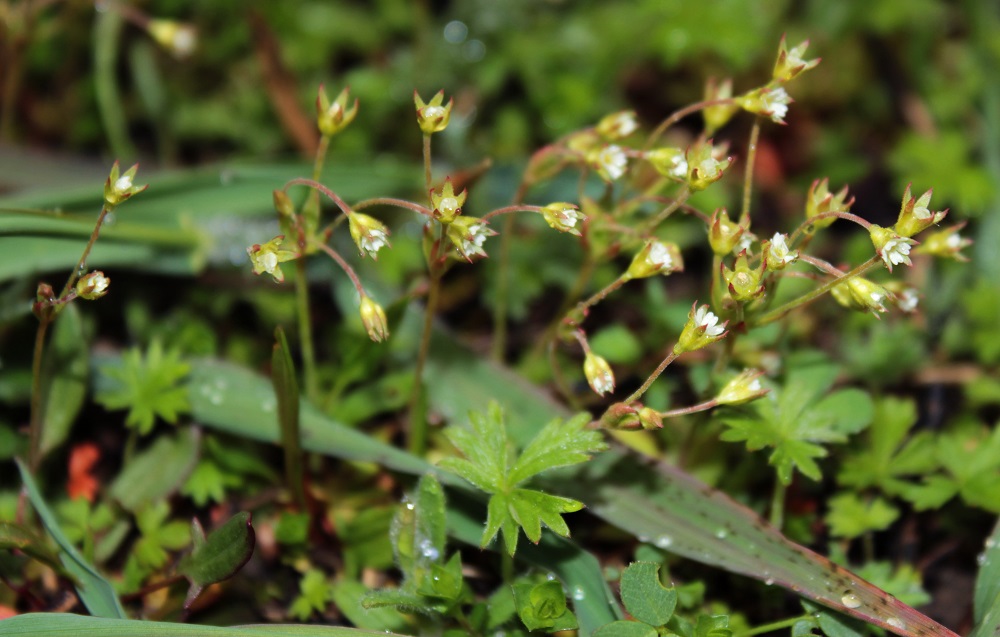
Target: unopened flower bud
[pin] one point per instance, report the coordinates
(468, 234)
(178, 38)
(369, 234)
(432, 117)
(119, 187)
(702, 328)
(283, 204)
(723, 234)
(599, 374)
(44, 307)
(269, 256)
(617, 125)
(890, 246)
(744, 282)
(669, 162)
(656, 257)
(719, 115)
(768, 101)
(373, 318)
(820, 201)
(946, 244)
(906, 297)
(742, 388)
(650, 419)
(620, 416)
(790, 63)
(333, 117)
(92, 286)
(860, 294)
(704, 167)
(915, 214)
(447, 205)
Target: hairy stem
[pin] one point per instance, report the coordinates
(637, 394)
(748, 173)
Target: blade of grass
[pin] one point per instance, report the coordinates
(986, 606)
(95, 592)
(286, 389)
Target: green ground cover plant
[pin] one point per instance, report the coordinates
(619, 387)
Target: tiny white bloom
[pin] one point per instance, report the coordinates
(709, 321)
(473, 242)
(709, 168)
(624, 123)
(569, 217)
(745, 241)
(184, 41)
(921, 208)
(955, 241)
(604, 383)
(775, 103)
(373, 241)
(100, 282)
(433, 112)
(908, 300)
(680, 168)
(270, 261)
(779, 251)
(659, 256)
(123, 184)
(612, 161)
(448, 205)
(896, 251)
(879, 299)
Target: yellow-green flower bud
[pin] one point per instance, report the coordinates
(768, 101)
(669, 162)
(702, 328)
(617, 125)
(820, 201)
(860, 294)
(178, 38)
(269, 256)
(118, 187)
(44, 307)
(432, 117)
(468, 234)
(706, 165)
(946, 244)
(915, 215)
(92, 286)
(719, 115)
(790, 63)
(599, 374)
(447, 205)
(656, 257)
(742, 388)
(369, 234)
(650, 419)
(283, 204)
(744, 282)
(723, 234)
(890, 246)
(620, 416)
(373, 318)
(563, 217)
(333, 117)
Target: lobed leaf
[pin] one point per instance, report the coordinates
(645, 598)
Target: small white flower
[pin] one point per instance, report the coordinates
(709, 321)
(709, 168)
(659, 255)
(779, 251)
(776, 103)
(123, 184)
(604, 383)
(611, 161)
(100, 282)
(896, 251)
(268, 261)
(624, 123)
(472, 243)
(955, 241)
(908, 300)
(373, 241)
(921, 208)
(433, 112)
(745, 241)
(878, 298)
(184, 41)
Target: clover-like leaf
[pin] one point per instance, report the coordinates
(645, 598)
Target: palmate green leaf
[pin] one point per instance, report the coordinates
(850, 517)
(542, 606)
(148, 386)
(560, 443)
(793, 421)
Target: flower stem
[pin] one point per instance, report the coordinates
(312, 183)
(81, 265)
(777, 515)
(390, 201)
(348, 270)
(809, 297)
(305, 331)
(503, 280)
(637, 394)
(676, 116)
(514, 208)
(773, 626)
(748, 173)
(427, 163)
(693, 409)
(602, 294)
(417, 442)
(35, 428)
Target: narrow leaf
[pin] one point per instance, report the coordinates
(158, 471)
(986, 606)
(286, 389)
(16, 537)
(95, 592)
(65, 378)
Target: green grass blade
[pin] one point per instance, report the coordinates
(62, 624)
(95, 592)
(286, 390)
(986, 607)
